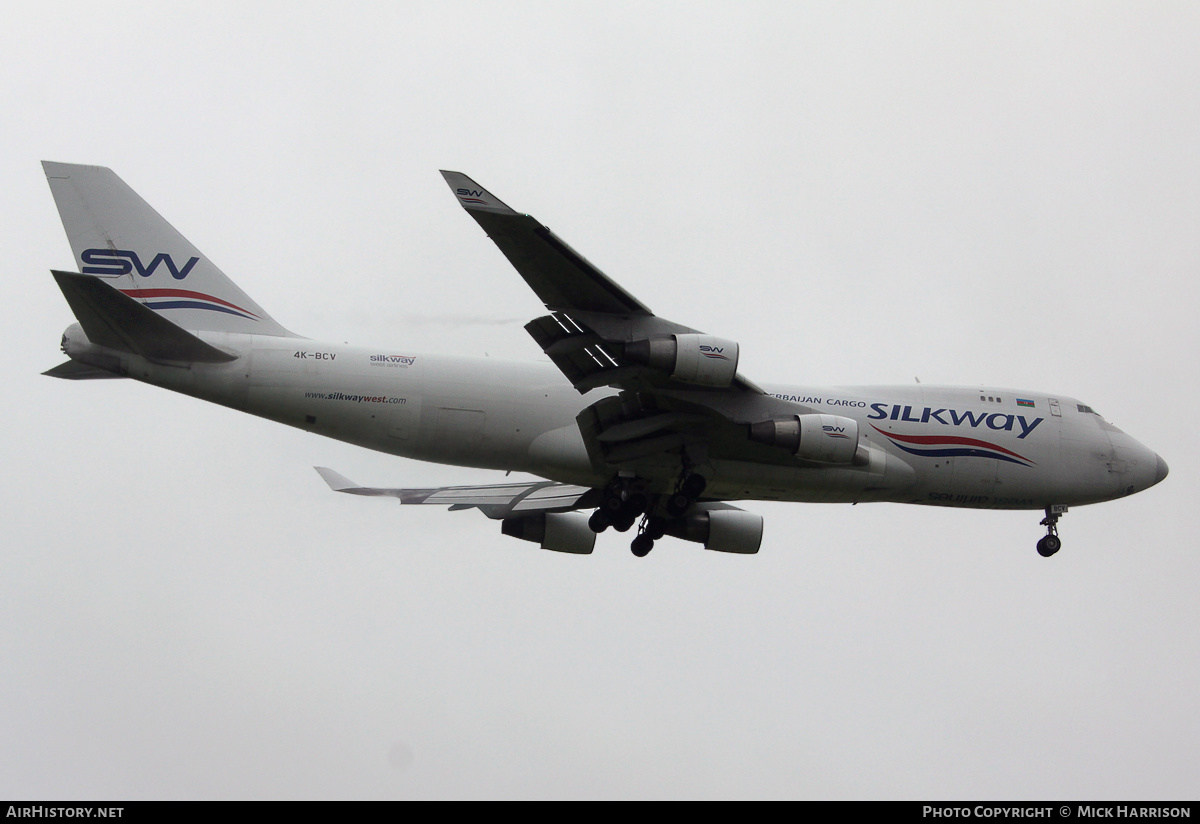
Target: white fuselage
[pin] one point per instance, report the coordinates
(931, 445)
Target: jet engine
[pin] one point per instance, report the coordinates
(813, 437)
(693, 358)
(722, 530)
(559, 531)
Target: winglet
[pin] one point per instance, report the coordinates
(340, 483)
(337, 481)
(472, 196)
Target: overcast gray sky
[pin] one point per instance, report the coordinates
(1000, 193)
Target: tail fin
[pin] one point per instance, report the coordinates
(117, 236)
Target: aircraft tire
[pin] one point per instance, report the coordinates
(656, 526)
(642, 545)
(1049, 545)
(678, 504)
(694, 486)
(599, 521)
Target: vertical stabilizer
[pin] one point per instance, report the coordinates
(118, 237)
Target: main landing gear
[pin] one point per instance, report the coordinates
(689, 488)
(620, 507)
(625, 500)
(653, 527)
(1051, 543)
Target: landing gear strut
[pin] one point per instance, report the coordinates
(653, 527)
(688, 489)
(1051, 543)
(620, 507)
(627, 498)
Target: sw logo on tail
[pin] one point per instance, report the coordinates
(123, 261)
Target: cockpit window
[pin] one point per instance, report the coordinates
(1104, 422)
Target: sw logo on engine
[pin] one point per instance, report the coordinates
(114, 262)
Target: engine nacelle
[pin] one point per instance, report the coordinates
(559, 531)
(813, 437)
(692, 358)
(722, 530)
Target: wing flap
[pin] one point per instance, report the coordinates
(497, 501)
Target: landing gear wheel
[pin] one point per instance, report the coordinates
(1049, 545)
(623, 522)
(693, 486)
(599, 521)
(678, 504)
(656, 527)
(642, 545)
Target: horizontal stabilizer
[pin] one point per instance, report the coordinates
(76, 371)
(114, 320)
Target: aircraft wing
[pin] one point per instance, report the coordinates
(497, 501)
(593, 320)
(680, 387)
(558, 275)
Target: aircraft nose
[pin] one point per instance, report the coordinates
(1135, 465)
(1161, 470)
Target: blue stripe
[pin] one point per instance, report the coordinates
(195, 304)
(959, 452)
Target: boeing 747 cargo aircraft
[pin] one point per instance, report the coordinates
(635, 422)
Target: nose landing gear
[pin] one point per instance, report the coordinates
(1051, 543)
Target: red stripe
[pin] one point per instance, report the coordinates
(934, 440)
(181, 293)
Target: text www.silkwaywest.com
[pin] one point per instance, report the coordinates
(339, 396)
